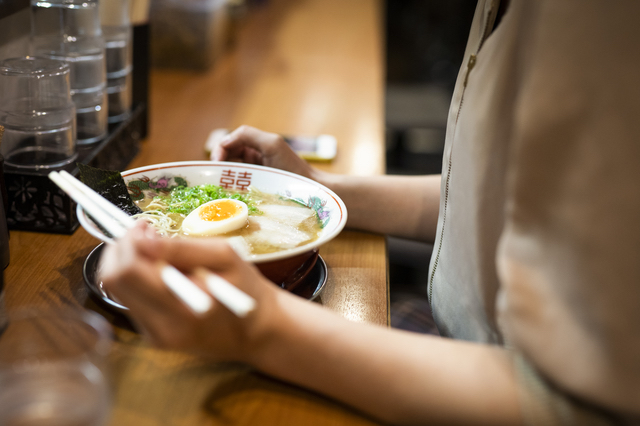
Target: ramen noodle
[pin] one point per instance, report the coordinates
(273, 223)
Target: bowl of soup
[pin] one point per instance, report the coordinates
(272, 218)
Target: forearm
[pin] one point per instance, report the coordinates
(399, 377)
(403, 206)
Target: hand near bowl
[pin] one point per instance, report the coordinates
(130, 271)
(417, 197)
(385, 373)
(249, 145)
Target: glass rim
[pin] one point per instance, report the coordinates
(102, 328)
(48, 105)
(39, 67)
(67, 2)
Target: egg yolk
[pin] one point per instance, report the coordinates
(219, 211)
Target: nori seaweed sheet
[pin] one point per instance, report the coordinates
(110, 185)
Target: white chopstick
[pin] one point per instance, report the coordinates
(238, 302)
(192, 295)
(117, 222)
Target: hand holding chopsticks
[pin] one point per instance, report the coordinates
(117, 223)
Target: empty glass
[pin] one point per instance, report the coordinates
(117, 33)
(70, 30)
(52, 369)
(37, 113)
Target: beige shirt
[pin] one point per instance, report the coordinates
(538, 238)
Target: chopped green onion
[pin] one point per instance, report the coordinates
(184, 199)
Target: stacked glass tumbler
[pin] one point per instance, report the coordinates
(117, 33)
(70, 30)
(37, 113)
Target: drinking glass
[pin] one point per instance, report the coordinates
(70, 30)
(52, 369)
(117, 33)
(37, 113)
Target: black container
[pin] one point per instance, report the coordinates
(37, 204)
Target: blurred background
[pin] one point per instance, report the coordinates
(424, 45)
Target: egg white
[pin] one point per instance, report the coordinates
(193, 224)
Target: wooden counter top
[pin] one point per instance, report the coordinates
(298, 67)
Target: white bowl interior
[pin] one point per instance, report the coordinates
(148, 181)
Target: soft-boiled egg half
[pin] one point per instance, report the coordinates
(216, 217)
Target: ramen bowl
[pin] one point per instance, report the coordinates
(287, 267)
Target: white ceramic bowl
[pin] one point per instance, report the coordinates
(285, 268)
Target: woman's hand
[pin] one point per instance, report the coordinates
(417, 197)
(130, 271)
(250, 145)
(395, 376)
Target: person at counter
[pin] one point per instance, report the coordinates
(534, 275)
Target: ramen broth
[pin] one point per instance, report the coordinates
(281, 224)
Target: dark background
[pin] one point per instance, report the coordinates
(425, 42)
(7, 7)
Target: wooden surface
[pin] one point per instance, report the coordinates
(298, 67)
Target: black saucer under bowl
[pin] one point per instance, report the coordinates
(309, 288)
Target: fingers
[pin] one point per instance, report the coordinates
(244, 145)
(130, 272)
(252, 156)
(188, 254)
(218, 153)
(135, 281)
(135, 258)
(245, 137)
(250, 145)
(123, 268)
